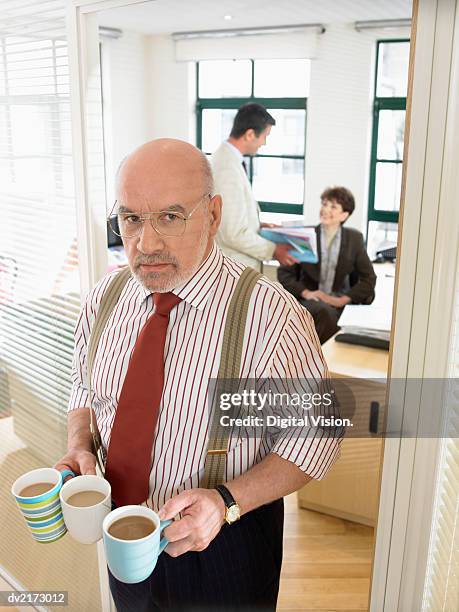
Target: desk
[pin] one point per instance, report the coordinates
(351, 488)
(355, 361)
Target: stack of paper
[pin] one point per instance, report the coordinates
(302, 239)
(372, 321)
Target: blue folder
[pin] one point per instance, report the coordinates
(300, 248)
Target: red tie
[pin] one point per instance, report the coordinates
(131, 441)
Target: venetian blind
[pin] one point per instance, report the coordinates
(442, 581)
(39, 286)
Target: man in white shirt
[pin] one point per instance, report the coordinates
(208, 565)
(238, 235)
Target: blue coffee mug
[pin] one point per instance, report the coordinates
(132, 561)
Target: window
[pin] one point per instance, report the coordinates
(389, 107)
(282, 87)
(39, 287)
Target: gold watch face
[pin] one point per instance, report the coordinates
(233, 514)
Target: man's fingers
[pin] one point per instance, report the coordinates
(175, 505)
(180, 530)
(84, 463)
(88, 465)
(200, 523)
(68, 465)
(193, 542)
(174, 549)
(287, 260)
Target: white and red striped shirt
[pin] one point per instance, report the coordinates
(279, 343)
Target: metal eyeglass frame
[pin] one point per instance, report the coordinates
(153, 215)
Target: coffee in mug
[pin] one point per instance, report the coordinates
(36, 489)
(132, 527)
(84, 499)
(132, 542)
(37, 496)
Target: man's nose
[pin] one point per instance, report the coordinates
(149, 239)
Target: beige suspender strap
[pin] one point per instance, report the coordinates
(230, 365)
(107, 304)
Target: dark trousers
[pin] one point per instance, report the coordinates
(325, 318)
(238, 571)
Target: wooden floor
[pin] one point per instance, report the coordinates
(327, 562)
(326, 568)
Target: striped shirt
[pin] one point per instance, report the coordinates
(279, 343)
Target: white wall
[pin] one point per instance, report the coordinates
(339, 124)
(125, 100)
(147, 94)
(171, 92)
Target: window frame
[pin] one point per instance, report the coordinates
(380, 104)
(295, 103)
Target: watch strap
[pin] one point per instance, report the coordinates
(227, 497)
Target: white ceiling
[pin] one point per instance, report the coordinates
(165, 16)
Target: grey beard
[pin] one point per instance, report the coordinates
(180, 278)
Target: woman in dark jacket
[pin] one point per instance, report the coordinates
(343, 274)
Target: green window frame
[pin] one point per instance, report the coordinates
(272, 103)
(381, 104)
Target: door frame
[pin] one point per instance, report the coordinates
(428, 234)
(423, 309)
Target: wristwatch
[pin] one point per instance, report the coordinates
(232, 509)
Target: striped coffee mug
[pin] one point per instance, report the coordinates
(42, 511)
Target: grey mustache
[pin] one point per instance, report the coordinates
(151, 262)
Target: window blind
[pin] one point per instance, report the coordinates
(441, 592)
(39, 286)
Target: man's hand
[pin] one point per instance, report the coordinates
(269, 225)
(281, 253)
(79, 457)
(203, 514)
(337, 302)
(79, 461)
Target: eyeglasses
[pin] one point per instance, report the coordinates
(331, 204)
(166, 223)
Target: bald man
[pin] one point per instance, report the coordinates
(225, 545)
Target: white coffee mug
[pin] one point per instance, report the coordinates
(85, 523)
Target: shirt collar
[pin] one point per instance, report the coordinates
(198, 288)
(235, 150)
(325, 233)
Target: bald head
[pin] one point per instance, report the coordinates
(166, 213)
(161, 167)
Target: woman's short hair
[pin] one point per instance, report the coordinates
(341, 195)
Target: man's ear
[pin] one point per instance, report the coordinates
(215, 212)
(249, 134)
